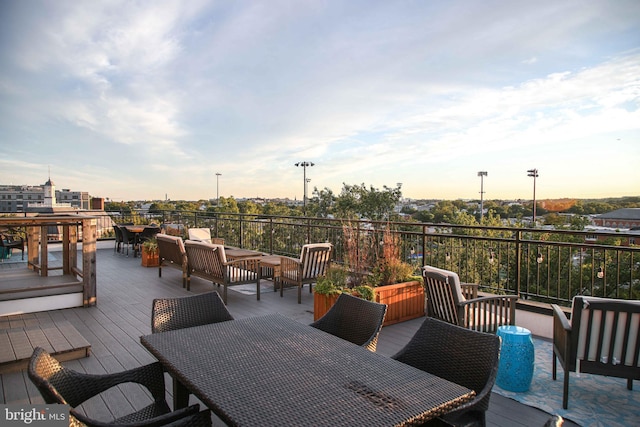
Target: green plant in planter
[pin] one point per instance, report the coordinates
(389, 272)
(363, 291)
(150, 246)
(333, 282)
(388, 268)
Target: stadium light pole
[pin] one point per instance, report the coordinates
(304, 183)
(534, 174)
(482, 174)
(218, 175)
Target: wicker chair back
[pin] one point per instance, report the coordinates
(354, 319)
(465, 357)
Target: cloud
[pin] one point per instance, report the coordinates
(371, 91)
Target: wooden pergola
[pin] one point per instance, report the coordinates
(73, 228)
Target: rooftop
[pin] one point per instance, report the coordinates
(123, 314)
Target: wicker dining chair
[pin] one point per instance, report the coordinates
(460, 355)
(60, 385)
(149, 232)
(168, 314)
(354, 319)
(118, 238)
(128, 239)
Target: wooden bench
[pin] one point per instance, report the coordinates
(209, 262)
(60, 339)
(171, 253)
(603, 338)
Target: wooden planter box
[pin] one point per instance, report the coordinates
(322, 303)
(405, 301)
(149, 260)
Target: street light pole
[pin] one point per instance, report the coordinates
(482, 174)
(218, 175)
(304, 183)
(534, 174)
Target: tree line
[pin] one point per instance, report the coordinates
(368, 202)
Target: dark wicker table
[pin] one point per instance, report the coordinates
(274, 371)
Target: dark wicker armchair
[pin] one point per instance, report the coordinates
(9, 241)
(354, 319)
(60, 385)
(460, 355)
(184, 312)
(448, 300)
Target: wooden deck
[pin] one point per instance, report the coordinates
(59, 338)
(123, 313)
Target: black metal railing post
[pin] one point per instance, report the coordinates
(518, 257)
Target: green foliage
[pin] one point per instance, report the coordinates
(333, 282)
(276, 208)
(389, 272)
(249, 207)
(118, 207)
(364, 292)
(355, 202)
(151, 246)
(227, 205)
(322, 202)
(388, 267)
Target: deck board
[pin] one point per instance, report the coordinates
(123, 313)
(61, 339)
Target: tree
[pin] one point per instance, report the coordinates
(185, 206)
(278, 209)
(322, 203)
(444, 211)
(554, 219)
(225, 205)
(249, 207)
(423, 216)
(358, 201)
(118, 206)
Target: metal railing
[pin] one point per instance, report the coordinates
(550, 266)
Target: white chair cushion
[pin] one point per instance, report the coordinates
(200, 234)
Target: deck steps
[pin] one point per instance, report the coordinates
(61, 339)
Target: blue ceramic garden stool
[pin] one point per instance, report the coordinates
(515, 369)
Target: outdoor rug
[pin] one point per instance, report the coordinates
(594, 400)
(250, 288)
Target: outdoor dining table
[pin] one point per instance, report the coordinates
(274, 371)
(136, 231)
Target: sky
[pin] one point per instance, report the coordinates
(147, 100)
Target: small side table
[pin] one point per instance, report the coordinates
(515, 369)
(271, 263)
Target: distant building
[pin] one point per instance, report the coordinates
(625, 218)
(97, 203)
(25, 198)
